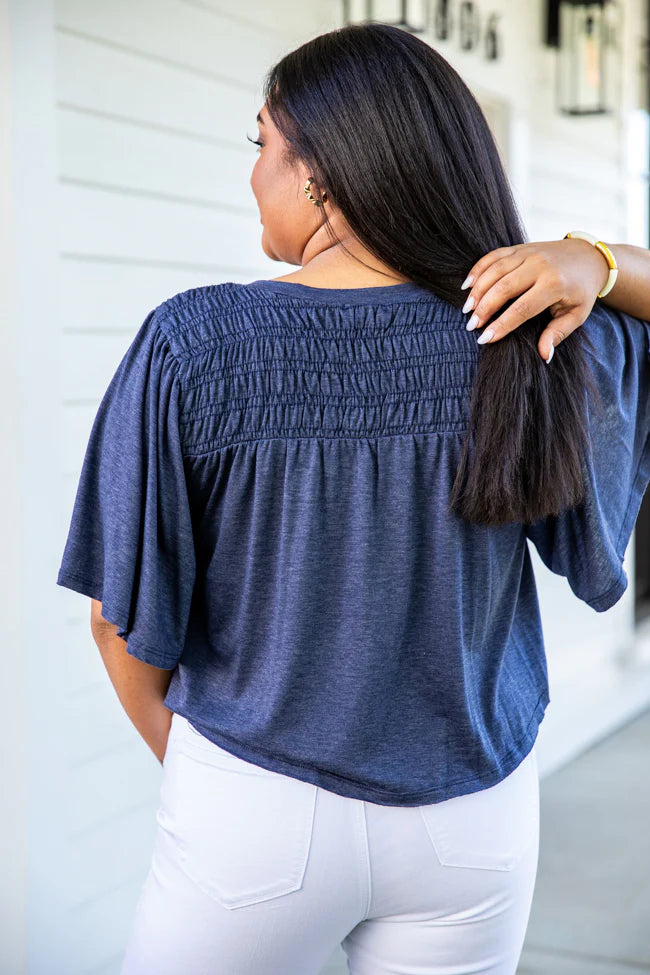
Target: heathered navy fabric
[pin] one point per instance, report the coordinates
(263, 509)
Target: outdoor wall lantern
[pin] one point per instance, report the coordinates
(585, 35)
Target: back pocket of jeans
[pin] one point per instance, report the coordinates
(242, 833)
(490, 829)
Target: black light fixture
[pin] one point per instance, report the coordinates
(585, 34)
(410, 15)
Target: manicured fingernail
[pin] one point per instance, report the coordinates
(550, 355)
(485, 337)
(468, 282)
(469, 304)
(472, 323)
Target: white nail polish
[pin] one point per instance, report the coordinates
(469, 304)
(468, 282)
(550, 355)
(485, 337)
(472, 323)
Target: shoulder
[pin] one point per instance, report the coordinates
(187, 307)
(197, 316)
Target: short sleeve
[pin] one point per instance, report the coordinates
(130, 541)
(587, 543)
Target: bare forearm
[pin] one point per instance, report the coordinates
(631, 293)
(140, 687)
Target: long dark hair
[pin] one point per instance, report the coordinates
(395, 137)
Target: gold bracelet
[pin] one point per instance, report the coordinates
(607, 254)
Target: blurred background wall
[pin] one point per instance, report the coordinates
(124, 178)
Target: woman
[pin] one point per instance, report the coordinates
(343, 674)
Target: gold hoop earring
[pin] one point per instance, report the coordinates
(311, 199)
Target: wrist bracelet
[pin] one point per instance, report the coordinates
(607, 254)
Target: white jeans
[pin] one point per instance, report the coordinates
(257, 873)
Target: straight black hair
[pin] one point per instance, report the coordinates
(397, 140)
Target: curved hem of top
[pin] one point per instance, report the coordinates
(343, 295)
(335, 783)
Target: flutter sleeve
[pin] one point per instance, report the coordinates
(130, 541)
(587, 544)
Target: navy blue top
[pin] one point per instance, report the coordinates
(263, 509)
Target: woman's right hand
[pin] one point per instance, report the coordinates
(564, 276)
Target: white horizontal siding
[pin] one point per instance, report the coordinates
(577, 180)
(136, 227)
(15, 745)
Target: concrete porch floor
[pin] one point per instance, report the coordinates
(591, 906)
